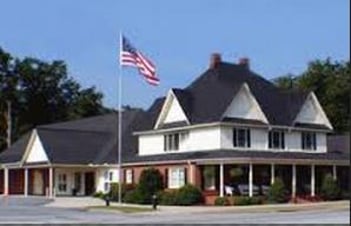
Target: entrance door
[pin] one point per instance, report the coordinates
(89, 183)
(38, 183)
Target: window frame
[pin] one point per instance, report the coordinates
(241, 132)
(176, 177)
(308, 141)
(280, 134)
(172, 141)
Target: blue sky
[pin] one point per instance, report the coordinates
(279, 37)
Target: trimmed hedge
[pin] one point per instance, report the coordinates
(245, 200)
(185, 196)
(221, 201)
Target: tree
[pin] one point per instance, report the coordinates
(150, 183)
(277, 192)
(41, 93)
(330, 189)
(331, 82)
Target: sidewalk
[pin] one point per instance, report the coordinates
(85, 202)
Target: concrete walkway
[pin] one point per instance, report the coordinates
(85, 202)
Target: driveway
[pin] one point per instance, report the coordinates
(36, 210)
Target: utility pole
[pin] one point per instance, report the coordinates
(9, 124)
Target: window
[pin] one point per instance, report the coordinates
(276, 139)
(129, 176)
(77, 181)
(176, 177)
(171, 142)
(241, 137)
(62, 182)
(108, 177)
(308, 141)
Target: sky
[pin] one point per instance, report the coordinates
(278, 36)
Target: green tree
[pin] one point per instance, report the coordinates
(150, 183)
(331, 82)
(41, 92)
(330, 189)
(277, 192)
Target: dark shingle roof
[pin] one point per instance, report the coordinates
(225, 154)
(206, 99)
(16, 151)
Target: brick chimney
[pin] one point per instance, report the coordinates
(215, 60)
(245, 62)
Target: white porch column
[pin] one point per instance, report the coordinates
(191, 173)
(250, 179)
(6, 181)
(272, 173)
(313, 180)
(293, 184)
(334, 172)
(51, 182)
(221, 180)
(26, 182)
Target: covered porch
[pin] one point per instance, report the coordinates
(302, 179)
(52, 181)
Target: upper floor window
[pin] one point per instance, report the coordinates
(276, 139)
(241, 137)
(308, 141)
(172, 141)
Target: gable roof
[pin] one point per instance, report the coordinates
(206, 99)
(90, 140)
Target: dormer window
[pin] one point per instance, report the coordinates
(276, 139)
(241, 137)
(308, 141)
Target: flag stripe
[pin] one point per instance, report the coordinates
(130, 56)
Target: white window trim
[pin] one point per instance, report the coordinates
(179, 179)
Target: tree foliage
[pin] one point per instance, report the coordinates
(41, 92)
(331, 82)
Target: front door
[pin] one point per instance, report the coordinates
(38, 182)
(89, 183)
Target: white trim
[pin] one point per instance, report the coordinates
(312, 97)
(245, 88)
(166, 107)
(313, 180)
(221, 180)
(231, 124)
(29, 148)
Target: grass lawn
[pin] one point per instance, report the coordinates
(123, 209)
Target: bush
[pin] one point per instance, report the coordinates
(330, 189)
(277, 192)
(188, 195)
(99, 195)
(133, 196)
(241, 200)
(150, 183)
(167, 197)
(221, 201)
(113, 194)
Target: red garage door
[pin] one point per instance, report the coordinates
(1, 181)
(16, 181)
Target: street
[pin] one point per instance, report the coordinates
(34, 211)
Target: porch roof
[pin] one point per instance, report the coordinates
(225, 155)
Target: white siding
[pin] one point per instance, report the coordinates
(70, 181)
(37, 152)
(151, 144)
(100, 179)
(216, 138)
(175, 113)
(258, 138)
(244, 105)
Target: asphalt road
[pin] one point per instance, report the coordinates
(33, 211)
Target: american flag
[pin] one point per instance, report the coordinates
(130, 56)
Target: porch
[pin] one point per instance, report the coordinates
(254, 179)
(49, 181)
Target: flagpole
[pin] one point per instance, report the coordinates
(120, 122)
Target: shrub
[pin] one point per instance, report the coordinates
(99, 195)
(277, 192)
(221, 201)
(330, 189)
(113, 194)
(256, 200)
(188, 195)
(150, 183)
(167, 197)
(241, 200)
(133, 196)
